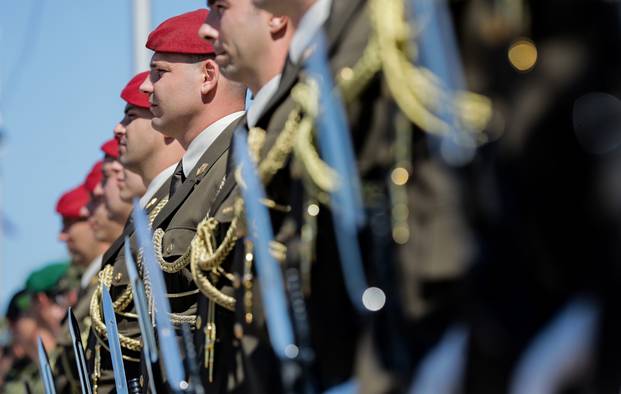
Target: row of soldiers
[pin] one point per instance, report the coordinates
(360, 227)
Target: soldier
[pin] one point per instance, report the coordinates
(153, 157)
(76, 232)
(254, 53)
(117, 208)
(49, 288)
(23, 326)
(194, 103)
(411, 198)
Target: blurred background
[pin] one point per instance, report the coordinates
(62, 67)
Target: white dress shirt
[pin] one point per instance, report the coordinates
(203, 141)
(93, 269)
(155, 185)
(261, 99)
(310, 24)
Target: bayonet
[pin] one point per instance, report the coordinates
(149, 347)
(45, 370)
(78, 350)
(196, 386)
(169, 347)
(113, 342)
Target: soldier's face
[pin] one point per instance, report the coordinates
(105, 229)
(138, 140)
(175, 92)
(118, 210)
(240, 35)
(79, 239)
(131, 186)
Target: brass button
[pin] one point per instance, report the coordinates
(199, 322)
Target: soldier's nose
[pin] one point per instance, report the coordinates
(208, 33)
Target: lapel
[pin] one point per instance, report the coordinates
(207, 160)
(128, 230)
(113, 250)
(287, 81)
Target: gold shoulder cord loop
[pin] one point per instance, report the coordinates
(205, 255)
(105, 279)
(123, 301)
(417, 91)
(167, 267)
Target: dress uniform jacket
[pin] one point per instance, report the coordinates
(181, 216)
(247, 364)
(421, 277)
(127, 326)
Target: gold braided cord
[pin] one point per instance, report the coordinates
(205, 255)
(121, 303)
(103, 343)
(353, 81)
(105, 278)
(277, 156)
(417, 91)
(168, 267)
(307, 97)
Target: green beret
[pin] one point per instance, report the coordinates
(46, 279)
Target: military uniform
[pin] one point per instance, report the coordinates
(420, 274)
(114, 274)
(23, 376)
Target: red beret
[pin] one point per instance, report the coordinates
(111, 148)
(132, 94)
(179, 34)
(94, 177)
(70, 203)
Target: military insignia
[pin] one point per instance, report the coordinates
(169, 248)
(151, 203)
(201, 170)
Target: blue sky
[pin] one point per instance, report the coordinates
(62, 66)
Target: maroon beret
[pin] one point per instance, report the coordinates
(71, 203)
(111, 148)
(94, 177)
(132, 94)
(179, 34)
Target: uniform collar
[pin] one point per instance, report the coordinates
(310, 24)
(203, 141)
(261, 99)
(155, 185)
(93, 268)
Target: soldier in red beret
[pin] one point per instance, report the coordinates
(193, 102)
(113, 180)
(153, 156)
(142, 150)
(76, 232)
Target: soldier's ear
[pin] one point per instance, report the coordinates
(211, 74)
(278, 24)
